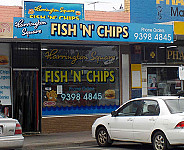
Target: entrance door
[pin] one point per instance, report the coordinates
(26, 99)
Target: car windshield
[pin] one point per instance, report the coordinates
(175, 105)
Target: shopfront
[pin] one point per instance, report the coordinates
(80, 79)
(160, 69)
(84, 66)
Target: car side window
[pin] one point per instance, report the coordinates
(150, 108)
(130, 109)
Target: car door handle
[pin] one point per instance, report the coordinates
(151, 119)
(129, 119)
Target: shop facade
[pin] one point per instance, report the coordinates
(64, 74)
(160, 63)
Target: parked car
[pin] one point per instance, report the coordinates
(10, 134)
(156, 120)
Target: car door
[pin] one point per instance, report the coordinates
(121, 125)
(144, 123)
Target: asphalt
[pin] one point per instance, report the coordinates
(63, 138)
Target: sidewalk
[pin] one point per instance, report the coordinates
(64, 138)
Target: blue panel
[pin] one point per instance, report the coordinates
(136, 93)
(91, 31)
(156, 11)
(78, 110)
(48, 10)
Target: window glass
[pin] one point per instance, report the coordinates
(150, 108)
(175, 105)
(163, 81)
(76, 82)
(130, 109)
(80, 56)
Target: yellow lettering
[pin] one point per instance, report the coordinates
(64, 26)
(179, 2)
(57, 76)
(119, 31)
(112, 76)
(88, 76)
(96, 76)
(106, 75)
(169, 54)
(125, 31)
(99, 31)
(53, 28)
(64, 76)
(47, 76)
(77, 76)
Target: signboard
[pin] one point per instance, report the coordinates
(6, 30)
(5, 98)
(156, 11)
(46, 10)
(178, 28)
(91, 31)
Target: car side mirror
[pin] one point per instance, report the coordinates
(114, 113)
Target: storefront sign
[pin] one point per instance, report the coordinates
(6, 30)
(91, 31)
(5, 98)
(61, 11)
(79, 91)
(175, 55)
(91, 76)
(156, 11)
(64, 56)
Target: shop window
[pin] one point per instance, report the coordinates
(76, 82)
(5, 76)
(80, 56)
(163, 81)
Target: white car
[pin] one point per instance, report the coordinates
(10, 134)
(156, 120)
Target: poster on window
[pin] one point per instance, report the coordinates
(5, 98)
(152, 81)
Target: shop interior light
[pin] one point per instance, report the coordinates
(172, 46)
(44, 49)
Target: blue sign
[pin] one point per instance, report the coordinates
(156, 11)
(91, 31)
(61, 11)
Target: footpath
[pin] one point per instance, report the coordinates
(63, 138)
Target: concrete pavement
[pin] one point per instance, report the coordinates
(64, 138)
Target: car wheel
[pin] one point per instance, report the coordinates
(160, 141)
(102, 137)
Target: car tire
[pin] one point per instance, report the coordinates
(103, 138)
(159, 141)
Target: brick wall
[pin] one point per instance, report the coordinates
(107, 16)
(127, 5)
(68, 123)
(8, 12)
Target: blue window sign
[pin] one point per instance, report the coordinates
(91, 31)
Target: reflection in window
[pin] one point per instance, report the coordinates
(163, 81)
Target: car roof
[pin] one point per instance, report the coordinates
(160, 97)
